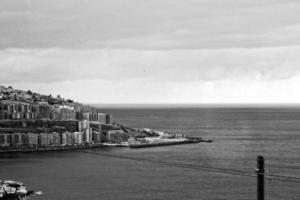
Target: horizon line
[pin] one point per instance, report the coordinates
(137, 105)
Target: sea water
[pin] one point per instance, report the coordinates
(239, 135)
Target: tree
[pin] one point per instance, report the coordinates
(34, 97)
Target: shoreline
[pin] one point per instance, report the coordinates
(49, 149)
(101, 145)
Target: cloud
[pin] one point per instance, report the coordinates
(168, 24)
(142, 91)
(171, 50)
(57, 64)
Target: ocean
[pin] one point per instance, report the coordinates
(239, 133)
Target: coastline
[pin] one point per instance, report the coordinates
(101, 145)
(47, 149)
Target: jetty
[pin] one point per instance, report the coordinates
(168, 142)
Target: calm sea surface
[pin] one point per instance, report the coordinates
(239, 134)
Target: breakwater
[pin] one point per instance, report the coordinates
(168, 143)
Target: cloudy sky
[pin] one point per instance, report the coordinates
(153, 51)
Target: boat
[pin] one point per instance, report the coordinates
(14, 190)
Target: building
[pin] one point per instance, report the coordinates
(9, 139)
(50, 139)
(18, 110)
(63, 139)
(56, 139)
(43, 140)
(96, 117)
(82, 125)
(87, 135)
(78, 138)
(25, 139)
(85, 128)
(101, 118)
(63, 113)
(44, 111)
(108, 119)
(79, 116)
(4, 141)
(32, 139)
(17, 139)
(96, 137)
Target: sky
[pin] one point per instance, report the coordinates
(153, 51)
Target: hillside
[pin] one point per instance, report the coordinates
(9, 93)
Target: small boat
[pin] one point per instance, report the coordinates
(14, 190)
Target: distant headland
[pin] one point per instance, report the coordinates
(30, 121)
